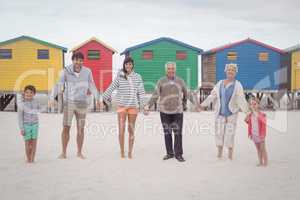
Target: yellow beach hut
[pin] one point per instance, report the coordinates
(295, 67)
(291, 75)
(27, 60)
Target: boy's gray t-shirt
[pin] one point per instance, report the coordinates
(28, 112)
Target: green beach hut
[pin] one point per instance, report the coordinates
(150, 58)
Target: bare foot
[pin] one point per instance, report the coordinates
(220, 152)
(220, 155)
(130, 155)
(62, 156)
(230, 155)
(79, 155)
(122, 155)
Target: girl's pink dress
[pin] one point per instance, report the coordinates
(257, 127)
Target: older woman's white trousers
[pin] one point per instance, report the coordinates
(225, 130)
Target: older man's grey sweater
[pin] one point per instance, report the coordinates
(172, 95)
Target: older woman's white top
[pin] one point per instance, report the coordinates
(237, 101)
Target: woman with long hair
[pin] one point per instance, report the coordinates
(130, 97)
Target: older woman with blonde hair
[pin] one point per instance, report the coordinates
(228, 98)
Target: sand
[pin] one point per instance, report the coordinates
(103, 175)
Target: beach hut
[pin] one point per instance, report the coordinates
(293, 63)
(150, 58)
(27, 60)
(259, 66)
(291, 74)
(99, 58)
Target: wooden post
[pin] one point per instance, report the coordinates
(1, 102)
(293, 100)
(16, 103)
(106, 106)
(298, 101)
(260, 96)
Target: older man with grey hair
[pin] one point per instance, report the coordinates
(172, 93)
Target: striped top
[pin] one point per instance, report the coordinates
(130, 91)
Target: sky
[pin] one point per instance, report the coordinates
(124, 23)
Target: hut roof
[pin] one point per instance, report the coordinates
(221, 48)
(24, 37)
(293, 48)
(160, 40)
(97, 40)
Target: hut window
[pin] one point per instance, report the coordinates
(181, 55)
(263, 56)
(93, 54)
(5, 53)
(231, 55)
(147, 55)
(43, 54)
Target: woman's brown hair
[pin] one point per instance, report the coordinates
(127, 60)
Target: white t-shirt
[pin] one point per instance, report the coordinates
(254, 122)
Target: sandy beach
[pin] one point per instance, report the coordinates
(103, 175)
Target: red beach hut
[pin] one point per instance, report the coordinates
(98, 57)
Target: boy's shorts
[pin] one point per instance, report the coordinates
(30, 131)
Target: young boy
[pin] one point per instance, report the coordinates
(28, 121)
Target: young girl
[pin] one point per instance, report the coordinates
(130, 97)
(28, 121)
(256, 121)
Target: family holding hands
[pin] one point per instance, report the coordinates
(171, 95)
